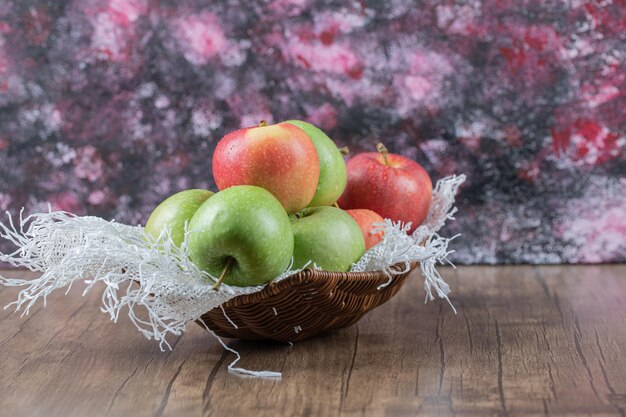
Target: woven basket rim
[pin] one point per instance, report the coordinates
(309, 274)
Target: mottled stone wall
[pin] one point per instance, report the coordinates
(106, 107)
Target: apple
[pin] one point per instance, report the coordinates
(391, 185)
(365, 219)
(173, 212)
(242, 235)
(327, 236)
(280, 158)
(333, 176)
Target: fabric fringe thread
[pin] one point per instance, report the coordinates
(157, 277)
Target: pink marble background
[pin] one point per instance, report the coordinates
(107, 107)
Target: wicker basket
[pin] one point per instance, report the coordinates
(304, 305)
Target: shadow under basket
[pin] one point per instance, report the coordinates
(304, 304)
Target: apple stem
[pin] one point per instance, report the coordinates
(218, 284)
(263, 123)
(336, 205)
(344, 151)
(383, 151)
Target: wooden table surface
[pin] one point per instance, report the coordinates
(547, 340)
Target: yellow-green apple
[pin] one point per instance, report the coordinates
(393, 186)
(366, 219)
(174, 212)
(327, 236)
(280, 158)
(333, 174)
(242, 235)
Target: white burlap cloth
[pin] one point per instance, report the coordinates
(172, 291)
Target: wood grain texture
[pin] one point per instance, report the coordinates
(526, 341)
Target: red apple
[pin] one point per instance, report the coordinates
(280, 158)
(365, 219)
(391, 185)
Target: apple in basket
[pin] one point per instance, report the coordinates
(173, 212)
(242, 235)
(393, 186)
(333, 176)
(366, 219)
(327, 236)
(280, 158)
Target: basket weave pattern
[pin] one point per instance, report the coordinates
(305, 304)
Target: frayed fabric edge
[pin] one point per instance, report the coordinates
(155, 274)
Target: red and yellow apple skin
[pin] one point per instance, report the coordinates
(280, 158)
(365, 219)
(391, 185)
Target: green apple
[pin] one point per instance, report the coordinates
(327, 236)
(333, 177)
(243, 235)
(174, 211)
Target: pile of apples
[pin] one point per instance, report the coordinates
(286, 193)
